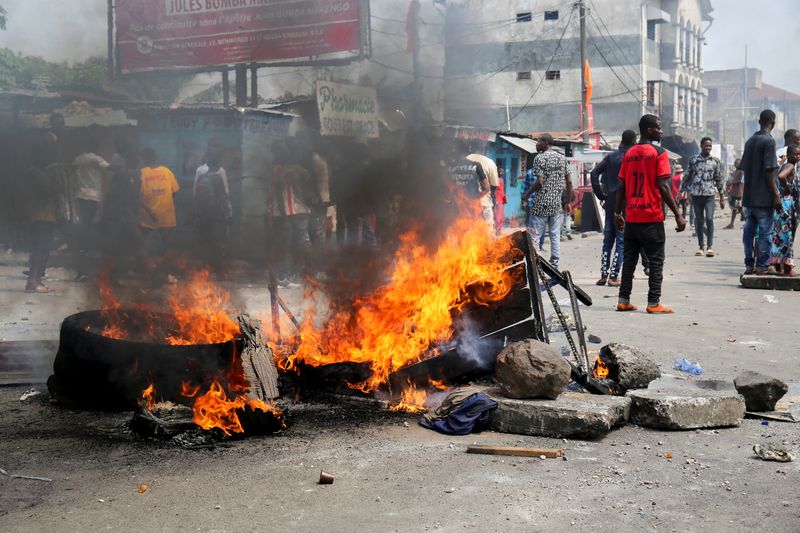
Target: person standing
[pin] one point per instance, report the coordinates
(553, 178)
(605, 183)
(703, 177)
(212, 209)
(488, 181)
(735, 190)
(782, 254)
(760, 196)
(158, 206)
(40, 203)
(90, 170)
(645, 177)
(790, 137)
(528, 197)
(500, 201)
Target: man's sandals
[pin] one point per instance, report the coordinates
(653, 310)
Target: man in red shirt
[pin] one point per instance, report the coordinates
(645, 177)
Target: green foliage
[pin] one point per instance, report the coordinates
(28, 72)
(3, 18)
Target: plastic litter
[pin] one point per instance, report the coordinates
(770, 299)
(685, 365)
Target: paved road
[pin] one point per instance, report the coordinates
(392, 475)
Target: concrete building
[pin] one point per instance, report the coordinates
(732, 112)
(519, 62)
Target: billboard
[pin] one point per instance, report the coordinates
(347, 110)
(199, 34)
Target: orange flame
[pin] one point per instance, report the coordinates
(600, 369)
(398, 323)
(197, 310)
(214, 410)
(412, 400)
(149, 397)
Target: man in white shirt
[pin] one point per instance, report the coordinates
(90, 172)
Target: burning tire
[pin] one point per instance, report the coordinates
(94, 370)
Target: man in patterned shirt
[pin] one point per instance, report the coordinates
(553, 177)
(703, 178)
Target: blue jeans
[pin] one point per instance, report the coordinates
(552, 225)
(611, 264)
(704, 219)
(758, 218)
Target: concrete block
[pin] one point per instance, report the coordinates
(685, 408)
(572, 415)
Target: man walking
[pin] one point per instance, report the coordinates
(553, 177)
(735, 191)
(645, 177)
(760, 198)
(702, 177)
(605, 183)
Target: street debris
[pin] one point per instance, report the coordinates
(686, 408)
(20, 476)
(772, 452)
(594, 339)
(30, 393)
(325, 478)
(684, 365)
(531, 369)
(770, 299)
(629, 366)
(760, 392)
(142, 489)
(542, 453)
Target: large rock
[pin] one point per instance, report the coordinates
(685, 408)
(572, 415)
(628, 366)
(760, 392)
(531, 369)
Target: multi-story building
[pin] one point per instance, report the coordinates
(519, 62)
(735, 99)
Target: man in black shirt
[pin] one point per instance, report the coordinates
(761, 198)
(605, 183)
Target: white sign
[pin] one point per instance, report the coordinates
(347, 110)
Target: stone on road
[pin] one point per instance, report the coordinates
(531, 369)
(630, 367)
(685, 408)
(760, 392)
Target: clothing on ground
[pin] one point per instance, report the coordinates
(464, 415)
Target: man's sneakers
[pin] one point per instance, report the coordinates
(651, 309)
(614, 282)
(710, 253)
(602, 281)
(700, 253)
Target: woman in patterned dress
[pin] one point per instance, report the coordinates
(782, 256)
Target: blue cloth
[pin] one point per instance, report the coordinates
(471, 415)
(760, 219)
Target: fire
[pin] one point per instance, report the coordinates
(600, 368)
(412, 400)
(197, 312)
(214, 410)
(149, 397)
(413, 312)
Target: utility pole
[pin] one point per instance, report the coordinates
(584, 114)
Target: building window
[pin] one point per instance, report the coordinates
(552, 75)
(651, 94)
(527, 16)
(651, 30)
(551, 15)
(713, 94)
(524, 75)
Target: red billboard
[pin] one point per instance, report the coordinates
(197, 34)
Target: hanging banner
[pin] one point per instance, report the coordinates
(347, 110)
(168, 34)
